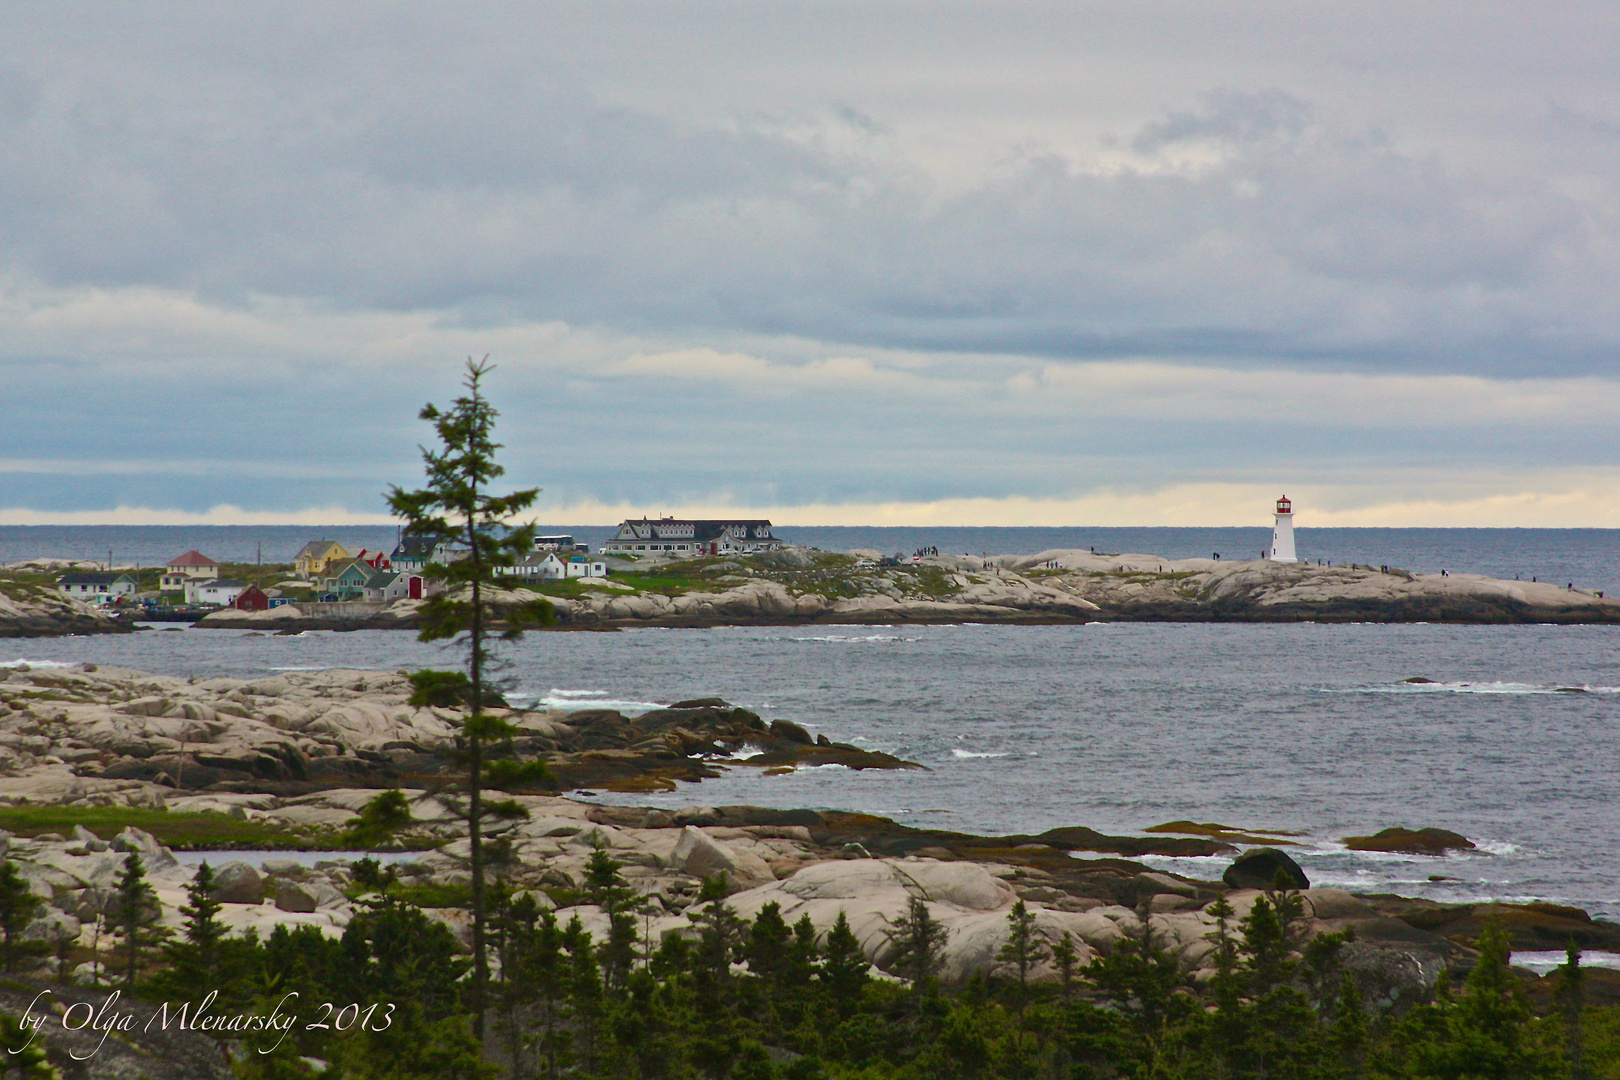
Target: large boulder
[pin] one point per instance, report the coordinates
(1258, 868)
(155, 858)
(701, 855)
(295, 896)
(238, 883)
(52, 926)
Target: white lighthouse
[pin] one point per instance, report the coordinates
(1282, 533)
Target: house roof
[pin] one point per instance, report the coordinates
(381, 579)
(416, 547)
(101, 577)
(192, 558)
(316, 548)
(702, 530)
(223, 583)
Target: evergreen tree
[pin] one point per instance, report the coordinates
(18, 906)
(1140, 977)
(584, 985)
(1023, 949)
(917, 941)
(769, 941)
(604, 884)
(1572, 996)
(203, 929)
(719, 941)
(134, 899)
(1065, 956)
(1483, 1033)
(457, 505)
(844, 971)
(25, 1052)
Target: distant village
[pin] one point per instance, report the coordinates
(326, 572)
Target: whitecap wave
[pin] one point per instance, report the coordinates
(853, 639)
(1494, 687)
(36, 664)
(956, 752)
(574, 700)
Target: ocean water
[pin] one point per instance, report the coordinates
(1588, 558)
(1303, 728)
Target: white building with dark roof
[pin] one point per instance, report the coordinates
(97, 586)
(415, 552)
(686, 537)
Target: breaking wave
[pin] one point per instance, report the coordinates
(574, 700)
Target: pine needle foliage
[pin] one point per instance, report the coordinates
(457, 505)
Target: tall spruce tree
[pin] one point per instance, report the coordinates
(134, 899)
(457, 506)
(18, 906)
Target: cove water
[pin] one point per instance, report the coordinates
(1301, 728)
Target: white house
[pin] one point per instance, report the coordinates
(221, 591)
(579, 566)
(191, 566)
(689, 538)
(96, 587)
(536, 567)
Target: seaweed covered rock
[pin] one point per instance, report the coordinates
(1411, 841)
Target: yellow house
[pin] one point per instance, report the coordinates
(316, 555)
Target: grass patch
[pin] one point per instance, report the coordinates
(187, 831)
(566, 588)
(669, 581)
(433, 894)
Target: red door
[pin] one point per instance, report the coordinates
(416, 587)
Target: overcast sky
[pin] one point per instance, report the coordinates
(836, 263)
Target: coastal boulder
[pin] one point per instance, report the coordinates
(52, 926)
(787, 729)
(238, 883)
(295, 896)
(1411, 841)
(155, 858)
(702, 856)
(1259, 868)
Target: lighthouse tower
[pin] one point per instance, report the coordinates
(1282, 533)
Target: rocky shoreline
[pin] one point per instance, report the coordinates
(302, 755)
(1048, 587)
(796, 586)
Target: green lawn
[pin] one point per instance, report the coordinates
(183, 831)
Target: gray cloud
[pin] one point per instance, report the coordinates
(462, 164)
(276, 218)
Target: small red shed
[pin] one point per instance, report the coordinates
(252, 598)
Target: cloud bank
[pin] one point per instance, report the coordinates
(1019, 260)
